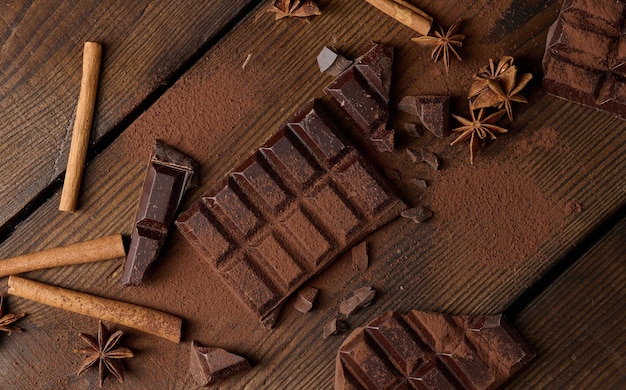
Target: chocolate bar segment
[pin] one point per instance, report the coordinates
(210, 365)
(585, 58)
(362, 92)
(423, 350)
(287, 212)
(170, 174)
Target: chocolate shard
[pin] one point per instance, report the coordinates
(417, 214)
(170, 174)
(332, 63)
(333, 327)
(360, 298)
(433, 111)
(429, 158)
(585, 57)
(210, 365)
(362, 93)
(305, 299)
(423, 350)
(413, 129)
(287, 212)
(421, 183)
(359, 257)
(271, 319)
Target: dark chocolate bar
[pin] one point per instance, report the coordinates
(362, 92)
(288, 211)
(170, 174)
(423, 350)
(210, 365)
(585, 58)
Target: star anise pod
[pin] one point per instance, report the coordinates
(478, 130)
(443, 43)
(295, 8)
(489, 74)
(502, 92)
(7, 319)
(103, 350)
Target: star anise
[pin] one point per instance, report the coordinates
(103, 350)
(295, 8)
(7, 319)
(478, 130)
(502, 91)
(443, 43)
(489, 74)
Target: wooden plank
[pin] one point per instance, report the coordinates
(145, 42)
(459, 262)
(578, 324)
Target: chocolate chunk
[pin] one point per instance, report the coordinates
(333, 327)
(413, 130)
(412, 155)
(332, 63)
(305, 299)
(210, 365)
(417, 214)
(433, 111)
(419, 183)
(424, 350)
(359, 256)
(585, 58)
(360, 298)
(170, 175)
(285, 214)
(362, 92)
(429, 158)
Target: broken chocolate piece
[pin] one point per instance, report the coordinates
(332, 63)
(287, 212)
(429, 158)
(585, 57)
(210, 365)
(170, 175)
(433, 111)
(424, 350)
(417, 214)
(359, 256)
(413, 129)
(333, 327)
(361, 297)
(305, 299)
(362, 92)
(421, 183)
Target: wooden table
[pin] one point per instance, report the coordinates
(567, 295)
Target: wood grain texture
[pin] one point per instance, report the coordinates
(412, 266)
(578, 325)
(41, 45)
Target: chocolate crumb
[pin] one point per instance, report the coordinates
(573, 207)
(430, 158)
(417, 214)
(361, 297)
(334, 327)
(421, 183)
(413, 129)
(332, 63)
(305, 299)
(412, 155)
(210, 365)
(360, 258)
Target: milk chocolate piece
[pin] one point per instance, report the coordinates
(210, 365)
(305, 299)
(332, 63)
(362, 92)
(360, 298)
(424, 350)
(417, 214)
(170, 174)
(286, 213)
(585, 58)
(359, 256)
(433, 111)
(334, 327)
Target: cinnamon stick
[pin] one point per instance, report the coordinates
(103, 248)
(405, 13)
(137, 317)
(92, 55)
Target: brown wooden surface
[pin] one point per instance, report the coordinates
(413, 267)
(40, 70)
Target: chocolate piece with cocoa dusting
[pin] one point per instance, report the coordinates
(332, 63)
(210, 365)
(359, 257)
(585, 58)
(433, 111)
(305, 299)
(360, 298)
(425, 350)
(334, 327)
(417, 214)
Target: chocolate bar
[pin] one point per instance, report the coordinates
(423, 350)
(210, 365)
(585, 58)
(170, 175)
(362, 93)
(287, 212)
